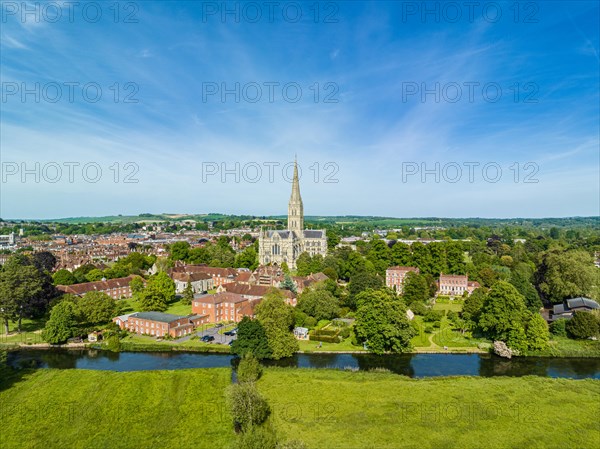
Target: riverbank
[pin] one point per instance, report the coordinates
(563, 349)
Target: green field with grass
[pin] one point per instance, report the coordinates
(31, 332)
(80, 409)
(313, 346)
(330, 409)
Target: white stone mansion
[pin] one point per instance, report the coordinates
(276, 247)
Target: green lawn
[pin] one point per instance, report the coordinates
(31, 332)
(134, 342)
(345, 346)
(330, 409)
(79, 409)
(447, 336)
(566, 347)
(448, 306)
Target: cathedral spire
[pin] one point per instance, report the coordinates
(295, 206)
(296, 185)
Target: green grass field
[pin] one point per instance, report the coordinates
(72, 409)
(330, 409)
(345, 346)
(31, 332)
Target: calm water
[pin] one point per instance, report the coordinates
(413, 365)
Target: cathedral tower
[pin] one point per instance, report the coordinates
(295, 207)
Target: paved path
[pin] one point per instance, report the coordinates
(213, 331)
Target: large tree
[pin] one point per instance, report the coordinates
(62, 323)
(473, 304)
(251, 339)
(179, 250)
(379, 255)
(319, 303)
(565, 274)
(303, 264)
(96, 307)
(503, 315)
(415, 288)
(21, 286)
(521, 277)
(277, 318)
(537, 332)
(248, 258)
(400, 254)
(159, 290)
(44, 261)
(63, 277)
(381, 322)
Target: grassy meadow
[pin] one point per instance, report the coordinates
(330, 409)
(72, 409)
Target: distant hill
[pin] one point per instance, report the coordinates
(382, 222)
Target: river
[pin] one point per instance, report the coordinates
(412, 365)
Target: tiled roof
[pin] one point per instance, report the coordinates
(252, 290)
(157, 316)
(400, 268)
(190, 277)
(80, 289)
(575, 303)
(313, 234)
(219, 298)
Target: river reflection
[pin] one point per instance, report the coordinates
(412, 365)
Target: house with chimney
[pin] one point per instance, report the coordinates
(158, 324)
(455, 285)
(394, 277)
(201, 282)
(117, 288)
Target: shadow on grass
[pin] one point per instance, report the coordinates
(8, 375)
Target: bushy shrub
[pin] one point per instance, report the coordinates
(113, 343)
(310, 322)
(325, 338)
(257, 437)
(345, 332)
(582, 325)
(437, 324)
(322, 323)
(433, 315)
(249, 369)
(418, 308)
(452, 315)
(248, 407)
(559, 327)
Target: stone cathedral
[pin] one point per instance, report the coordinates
(276, 247)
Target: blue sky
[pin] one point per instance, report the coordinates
(398, 92)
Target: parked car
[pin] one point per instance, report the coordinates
(230, 333)
(219, 325)
(207, 338)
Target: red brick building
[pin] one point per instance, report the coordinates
(115, 288)
(255, 291)
(219, 275)
(394, 277)
(158, 324)
(224, 306)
